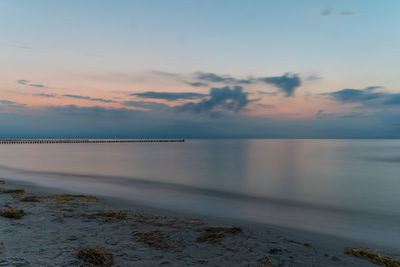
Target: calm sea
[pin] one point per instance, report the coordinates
(342, 187)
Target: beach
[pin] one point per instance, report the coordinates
(57, 224)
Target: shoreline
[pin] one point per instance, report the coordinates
(58, 230)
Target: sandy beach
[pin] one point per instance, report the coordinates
(55, 226)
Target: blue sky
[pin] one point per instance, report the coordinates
(95, 65)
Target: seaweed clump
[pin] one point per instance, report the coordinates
(113, 216)
(372, 257)
(158, 240)
(29, 199)
(65, 198)
(214, 234)
(96, 256)
(12, 213)
(14, 192)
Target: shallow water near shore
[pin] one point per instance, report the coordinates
(342, 187)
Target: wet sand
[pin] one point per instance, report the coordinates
(53, 230)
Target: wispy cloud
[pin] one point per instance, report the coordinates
(12, 104)
(326, 12)
(169, 96)
(196, 84)
(146, 104)
(90, 98)
(347, 13)
(330, 11)
(96, 111)
(21, 47)
(212, 77)
(367, 97)
(46, 95)
(356, 95)
(27, 83)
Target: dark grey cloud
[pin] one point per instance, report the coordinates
(196, 84)
(287, 83)
(90, 98)
(146, 104)
(223, 98)
(169, 96)
(27, 83)
(46, 95)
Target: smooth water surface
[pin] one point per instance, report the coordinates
(342, 187)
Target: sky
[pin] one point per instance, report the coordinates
(199, 69)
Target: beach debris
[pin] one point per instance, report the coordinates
(12, 213)
(96, 256)
(113, 216)
(214, 234)
(158, 240)
(65, 198)
(373, 257)
(30, 199)
(308, 245)
(2, 182)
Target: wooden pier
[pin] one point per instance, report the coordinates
(86, 141)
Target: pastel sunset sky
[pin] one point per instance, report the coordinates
(200, 69)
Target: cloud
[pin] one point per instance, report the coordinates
(27, 83)
(266, 106)
(96, 111)
(267, 93)
(212, 77)
(169, 96)
(287, 83)
(326, 12)
(223, 98)
(36, 85)
(146, 104)
(313, 77)
(347, 13)
(20, 46)
(23, 82)
(164, 73)
(90, 98)
(196, 84)
(12, 104)
(367, 97)
(329, 11)
(356, 95)
(46, 95)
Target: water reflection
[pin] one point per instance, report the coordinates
(344, 187)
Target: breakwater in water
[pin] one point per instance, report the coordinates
(85, 141)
